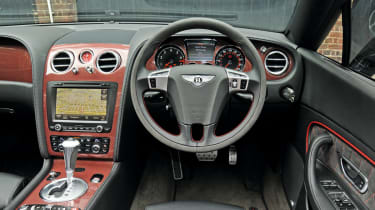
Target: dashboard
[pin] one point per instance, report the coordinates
(220, 51)
(94, 62)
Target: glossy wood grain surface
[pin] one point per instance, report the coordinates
(91, 168)
(15, 64)
(117, 76)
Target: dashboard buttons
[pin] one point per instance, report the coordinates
(89, 69)
(75, 70)
(90, 145)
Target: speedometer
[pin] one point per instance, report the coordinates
(169, 57)
(230, 58)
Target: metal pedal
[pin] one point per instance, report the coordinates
(232, 155)
(207, 156)
(176, 165)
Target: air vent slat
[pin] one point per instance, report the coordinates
(61, 65)
(62, 61)
(108, 59)
(276, 62)
(108, 62)
(61, 58)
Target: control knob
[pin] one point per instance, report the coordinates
(58, 127)
(95, 148)
(99, 129)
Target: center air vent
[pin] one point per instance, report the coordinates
(276, 62)
(108, 62)
(62, 61)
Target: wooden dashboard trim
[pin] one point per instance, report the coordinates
(15, 64)
(82, 75)
(178, 41)
(91, 168)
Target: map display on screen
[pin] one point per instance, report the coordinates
(81, 104)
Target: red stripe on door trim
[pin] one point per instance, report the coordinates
(339, 136)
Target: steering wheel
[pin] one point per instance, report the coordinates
(198, 93)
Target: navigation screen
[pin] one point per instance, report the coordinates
(81, 104)
(200, 50)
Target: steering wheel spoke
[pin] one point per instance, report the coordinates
(158, 80)
(238, 81)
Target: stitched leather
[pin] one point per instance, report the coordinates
(10, 185)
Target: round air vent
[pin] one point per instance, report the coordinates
(276, 62)
(62, 61)
(108, 62)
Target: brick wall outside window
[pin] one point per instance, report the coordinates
(332, 45)
(62, 11)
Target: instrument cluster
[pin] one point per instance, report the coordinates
(219, 51)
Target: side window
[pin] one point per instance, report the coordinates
(362, 52)
(331, 47)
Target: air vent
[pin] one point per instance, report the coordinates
(108, 62)
(276, 62)
(62, 61)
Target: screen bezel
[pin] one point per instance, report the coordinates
(51, 101)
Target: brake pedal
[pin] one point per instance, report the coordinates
(176, 165)
(207, 156)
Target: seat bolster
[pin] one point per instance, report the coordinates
(10, 185)
(192, 205)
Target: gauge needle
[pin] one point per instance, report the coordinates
(226, 66)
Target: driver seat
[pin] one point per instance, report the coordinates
(192, 205)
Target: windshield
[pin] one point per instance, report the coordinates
(271, 15)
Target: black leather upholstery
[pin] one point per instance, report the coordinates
(192, 205)
(10, 185)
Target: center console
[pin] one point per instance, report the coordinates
(82, 92)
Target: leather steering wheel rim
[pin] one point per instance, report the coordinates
(140, 74)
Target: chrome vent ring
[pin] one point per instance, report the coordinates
(62, 61)
(108, 61)
(276, 62)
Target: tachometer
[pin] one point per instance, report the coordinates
(169, 57)
(231, 58)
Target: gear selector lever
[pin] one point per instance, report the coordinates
(68, 188)
(70, 157)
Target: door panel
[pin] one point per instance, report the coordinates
(338, 103)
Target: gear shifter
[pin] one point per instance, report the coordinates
(68, 188)
(70, 157)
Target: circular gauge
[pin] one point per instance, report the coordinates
(230, 58)
(169, 57)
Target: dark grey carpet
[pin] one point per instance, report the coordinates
(156, 185)
(208, 182)
(273, 192)
(218, 183)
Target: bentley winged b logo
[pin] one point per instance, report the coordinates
(198, 80)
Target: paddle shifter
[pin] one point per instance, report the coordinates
(68, 188)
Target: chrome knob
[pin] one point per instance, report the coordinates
(70, 147)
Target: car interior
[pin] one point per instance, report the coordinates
(177, 105)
